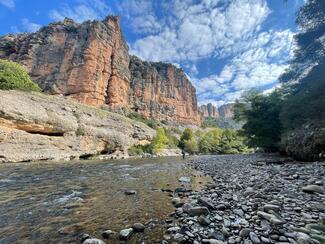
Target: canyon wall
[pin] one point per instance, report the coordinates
(90, 63)
(162, 91)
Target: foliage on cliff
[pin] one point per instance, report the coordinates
(13, 76)
(299, 103)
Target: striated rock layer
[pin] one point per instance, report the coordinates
(35, 126)
(90, 63)
(162, 91)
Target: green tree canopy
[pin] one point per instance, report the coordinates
(13, 76)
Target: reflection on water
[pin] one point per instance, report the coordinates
(56, 202)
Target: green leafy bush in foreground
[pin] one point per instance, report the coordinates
(13, 76)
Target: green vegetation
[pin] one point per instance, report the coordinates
(261, 113)
(212, 141)
(215, 140)
(13, 76)
(139, 117)
(222, 123)
(160, 141)
(300, 101)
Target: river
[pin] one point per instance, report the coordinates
(55, 202)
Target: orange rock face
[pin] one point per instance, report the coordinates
(87, 61)
(162, 91)
(90, 63)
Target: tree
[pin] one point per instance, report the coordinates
(310, 44)
(186, 136)
(191, 146)
(13, 76)
(305, 76)
(160, 141)
(262, 123)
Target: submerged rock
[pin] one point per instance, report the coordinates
(184, 179)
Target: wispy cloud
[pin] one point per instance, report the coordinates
(140, 16)
(8, 3)
(81, 10)
(30, 26)
(257, 67)
(197, 30)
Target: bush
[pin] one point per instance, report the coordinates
(13, 76)
(186, 136)
(160, 141)
(137, 150)
(191, 146)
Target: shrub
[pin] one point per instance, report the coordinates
(186, 136)
(191, 146)
(136, 150)
(13, 76)
(160, 141)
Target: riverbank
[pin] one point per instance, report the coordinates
(253, 199)
(35, 127)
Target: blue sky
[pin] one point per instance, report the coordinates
(225, 46)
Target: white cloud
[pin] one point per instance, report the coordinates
(259, 66)
(30, 26)
(84, 10)
(140, 16)
(8, 3)
(198, 30)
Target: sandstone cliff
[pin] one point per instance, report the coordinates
(90, 63)
(35, 126)
(162, 91)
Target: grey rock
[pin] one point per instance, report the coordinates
(107, 234)
(206, 202)
(312, 189)
(271, 207)
(203, 221)
(184, 179)
(138, 227)
(254, 238)
(130, 192)
(125, 234)
(197, 211)
(245, 232)
(93, 241)
(179, 237)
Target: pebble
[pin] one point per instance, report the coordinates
(312, 189)
(130, 192)
(125, 234)
(138, 227)
(93, 241)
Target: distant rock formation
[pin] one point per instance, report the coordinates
(210, 111)
(90, 63)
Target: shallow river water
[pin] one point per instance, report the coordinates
(56, 202)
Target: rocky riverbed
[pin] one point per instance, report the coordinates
(252, 199)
